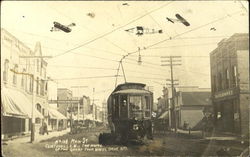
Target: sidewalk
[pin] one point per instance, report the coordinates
(195, 133)
(216, 136)
(39, 137)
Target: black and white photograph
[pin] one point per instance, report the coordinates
(125, 78)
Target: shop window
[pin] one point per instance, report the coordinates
(14, 74)
(6, 69)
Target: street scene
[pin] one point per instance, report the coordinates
(124, 78)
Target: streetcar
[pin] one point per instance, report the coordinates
(129, 114)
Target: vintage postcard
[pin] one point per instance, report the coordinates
(124, 78)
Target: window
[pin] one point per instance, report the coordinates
(6, 69)
(31, 84)
(43, 111)
(226, 79)
(39, 108)
(234, 76)
(37, 120)
(219, 81)
(38, 65)
(23, 77)
(14, 74)
(135, 102)
(146, 103)
(37, 85)
(214, 87)
(42, 86)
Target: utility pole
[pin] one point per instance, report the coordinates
(172, 59)
(78, 105)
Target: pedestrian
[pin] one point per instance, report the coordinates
(45, 128)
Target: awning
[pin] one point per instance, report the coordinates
(54, 114)
(16, 104)
(165, 115)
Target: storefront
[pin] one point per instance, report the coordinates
(227, 111)
(57, 121)
(16, 112)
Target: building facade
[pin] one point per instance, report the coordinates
(190, 105)
(229, 64)
(23, 86)
(64, 96)
(105, 112)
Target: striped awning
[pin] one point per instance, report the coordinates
(16, 104)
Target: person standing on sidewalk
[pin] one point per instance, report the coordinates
(45, 128)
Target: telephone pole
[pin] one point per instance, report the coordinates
(172, 61)
(79, 95)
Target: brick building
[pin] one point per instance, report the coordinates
(229, 64)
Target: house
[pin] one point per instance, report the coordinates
(190, 107)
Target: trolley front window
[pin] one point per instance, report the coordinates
(135, 102)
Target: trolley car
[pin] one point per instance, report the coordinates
(129, 113)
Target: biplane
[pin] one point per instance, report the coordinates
(179, 19)
(139, 30)
(59, 27)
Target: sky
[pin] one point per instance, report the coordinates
(89, 55)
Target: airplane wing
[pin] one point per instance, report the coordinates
(62, 27)
(170, 20)
(182, 20)
(130, 30)
(71, 25)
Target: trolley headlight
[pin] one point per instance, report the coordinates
(135, 127)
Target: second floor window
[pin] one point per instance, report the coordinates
(31, 84)
(37, 85)
(214, 87)
(14, 74)
(234, 76)
(6, 69)
(226, 78)
(38, 65)
(23, 79)
(219, 82)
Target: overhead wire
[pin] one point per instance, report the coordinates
(90, 77)
(196, 28)
(105, 34)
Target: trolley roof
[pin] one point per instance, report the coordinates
(139, 86)
(132, 91)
